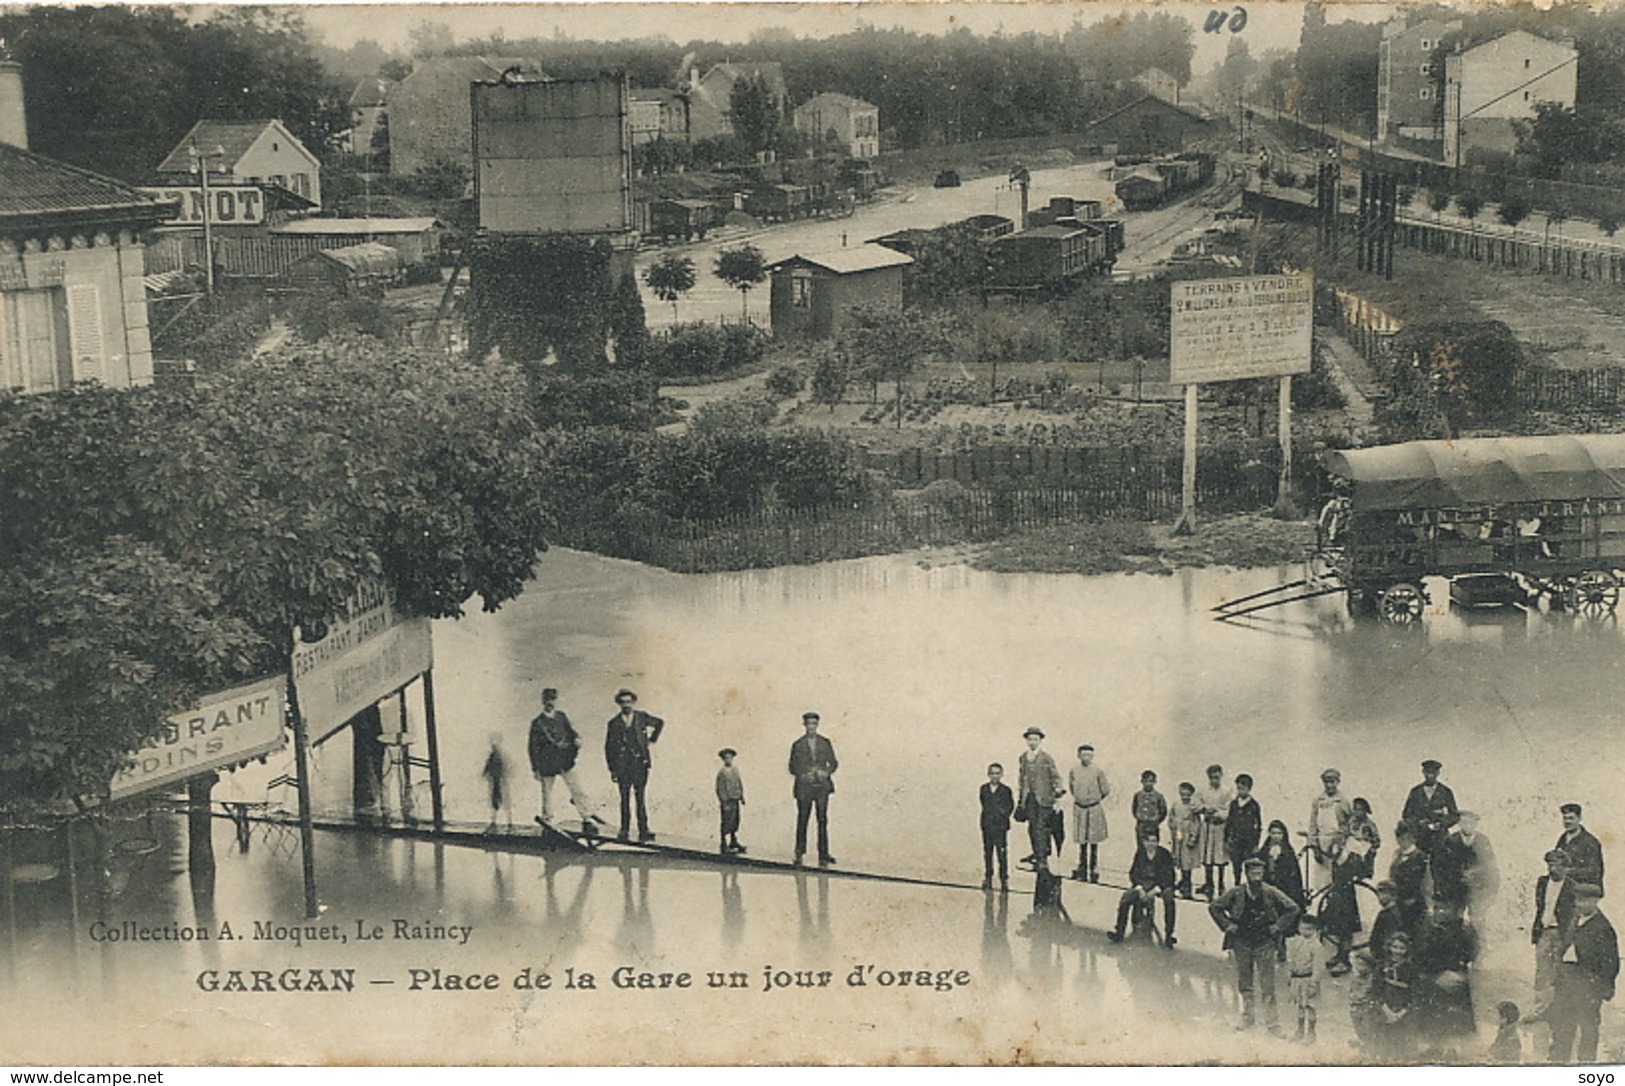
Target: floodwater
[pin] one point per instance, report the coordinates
(923, 673)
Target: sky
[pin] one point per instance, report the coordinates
(1272, 24)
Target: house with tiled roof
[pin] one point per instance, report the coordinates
(430, 116)
(246, 153)
(73, 306)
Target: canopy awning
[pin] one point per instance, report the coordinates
(1483, 471)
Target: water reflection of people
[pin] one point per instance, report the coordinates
(733, 908)
(565, 921)
(997, 962)
(815, 933)
(636, 934)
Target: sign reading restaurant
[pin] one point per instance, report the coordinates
(369, 652)
(226, 728)
(1240, 327)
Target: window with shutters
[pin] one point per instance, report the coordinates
(85, 332)
(34, 341)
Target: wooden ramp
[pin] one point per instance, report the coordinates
(566, 837)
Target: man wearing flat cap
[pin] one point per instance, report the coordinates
(1585, 851)
(813, 765)
(1554, 916)
(1255, 917)
(627, 739)
(1430, 808)
(1586, 971)
(1038, 789)
(1329, 816)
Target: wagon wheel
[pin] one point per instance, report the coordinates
(1401, 603)
(1594, 592)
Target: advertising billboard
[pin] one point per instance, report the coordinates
(368, 653)
(225, 728)
(1239, 327)
(553, 156)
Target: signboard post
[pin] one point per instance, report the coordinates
(1231, 329)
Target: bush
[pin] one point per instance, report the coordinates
(736, 414)
(622, 400)
(786, 381)
(419, 274)
(219, 331)
(706, 350)
(316, 318)
(1286, 179)
(1608, 223)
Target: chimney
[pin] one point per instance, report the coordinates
(13, 121)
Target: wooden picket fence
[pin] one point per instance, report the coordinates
(1540, 388)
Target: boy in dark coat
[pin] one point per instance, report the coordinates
(1243, 826)
(998, 804)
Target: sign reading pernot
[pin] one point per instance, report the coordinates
(226, 728)
(1246, 326)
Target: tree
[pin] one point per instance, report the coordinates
(756, 112)
(670, 277)
(1438, 200)
(1469, 204)
(741, 268)
(1513, 210)
(628, 325)
(890, 345)
(831, 377)
(1608, 223)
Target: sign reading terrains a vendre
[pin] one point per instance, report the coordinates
(226, 728)
(1245, 326)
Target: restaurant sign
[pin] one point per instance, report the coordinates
(367, 654)
(225, 728)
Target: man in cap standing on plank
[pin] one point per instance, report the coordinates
(1039, 788)
(813, 765)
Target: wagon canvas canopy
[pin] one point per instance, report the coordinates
(1482, 471)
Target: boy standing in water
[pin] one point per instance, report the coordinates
(998, 804)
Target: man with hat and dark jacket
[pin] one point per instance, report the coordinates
(1585, 979)
(1255, 917)
(553, 746)
(813, 765)
(627, 739)
(1430, 807)
(1583, 848)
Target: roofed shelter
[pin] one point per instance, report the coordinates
(811, 293)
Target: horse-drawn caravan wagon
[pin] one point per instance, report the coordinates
(1506, 520)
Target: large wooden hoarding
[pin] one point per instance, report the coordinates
(225, 728)
(1240, 327)
(553, 157)
(368, 654)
